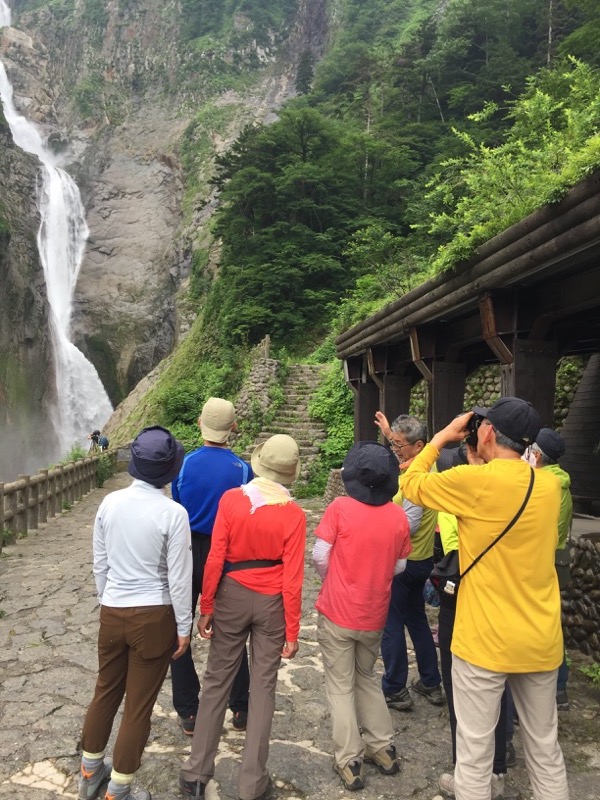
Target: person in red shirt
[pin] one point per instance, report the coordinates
(252, 585)
(362, 542)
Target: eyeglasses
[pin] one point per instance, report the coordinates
(397, 446)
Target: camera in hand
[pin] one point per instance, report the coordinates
(472, 426)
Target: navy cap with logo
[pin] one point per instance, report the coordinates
(513, 417)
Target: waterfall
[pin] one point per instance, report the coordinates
(81, 403)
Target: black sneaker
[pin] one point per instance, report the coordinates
(239, 720)
(401, 700)
(193, 789)
(187, 724)
(562, 700)
(432, 693)
(351, 775)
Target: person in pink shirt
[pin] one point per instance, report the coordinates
(362, 542)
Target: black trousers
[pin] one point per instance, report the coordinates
(184, 678)
(445, 628)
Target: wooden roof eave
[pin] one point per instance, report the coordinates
(538, 244)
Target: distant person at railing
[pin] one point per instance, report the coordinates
(143, 571)
(99, 441)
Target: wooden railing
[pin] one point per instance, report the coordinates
(33, 499)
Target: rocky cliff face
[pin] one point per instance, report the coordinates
(116, 86)
(26, 379)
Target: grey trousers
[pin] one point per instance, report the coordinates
(477, 694)
(239, 612)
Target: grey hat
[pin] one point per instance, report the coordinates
(277, 459)
(370, 473)
(156, 456)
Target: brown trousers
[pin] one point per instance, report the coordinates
(135, 646)
(239, 612)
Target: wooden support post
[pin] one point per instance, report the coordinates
(396, 395)
(446, 394)
(366, 403)
(532, 376)
(497, 320)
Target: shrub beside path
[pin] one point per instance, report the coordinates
(48, 629)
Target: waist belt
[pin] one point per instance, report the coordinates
(253, 563)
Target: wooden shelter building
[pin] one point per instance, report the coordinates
(527, 297)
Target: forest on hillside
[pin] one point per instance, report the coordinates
(426, 129)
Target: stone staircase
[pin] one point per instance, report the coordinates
(292, 417)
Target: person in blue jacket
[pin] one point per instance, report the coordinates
(206, 474)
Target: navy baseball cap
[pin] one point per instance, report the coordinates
(513, 417)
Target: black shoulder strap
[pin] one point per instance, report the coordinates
(508, 527)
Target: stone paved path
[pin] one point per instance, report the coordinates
(48, 628)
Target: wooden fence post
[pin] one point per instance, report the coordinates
(43, 495)
(34, 503)
(1, 515)
(23, 506)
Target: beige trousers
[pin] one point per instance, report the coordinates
(353, 690)
(477, 694)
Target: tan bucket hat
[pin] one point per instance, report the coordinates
(277, 459)
(217, 419)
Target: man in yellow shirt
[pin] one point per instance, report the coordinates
(508, 611)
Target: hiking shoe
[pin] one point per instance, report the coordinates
(239, 720)
(187, 724)
(562, 700)
(386, 759)
(497, 792)
(140, 794)
(446, 784)
(432, 693)
(351, 775)
(268, 793)
(401, 701)
(511, 755)
(193, 789)
(91, 782)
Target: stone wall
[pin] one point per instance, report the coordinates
(580, 601)
(254, 399)
(483, 388)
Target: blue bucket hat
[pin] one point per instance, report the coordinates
(156, 456)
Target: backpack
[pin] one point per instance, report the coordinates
(103, 442)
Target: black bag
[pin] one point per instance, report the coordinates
(446, 570)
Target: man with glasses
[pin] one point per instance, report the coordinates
(407, 437)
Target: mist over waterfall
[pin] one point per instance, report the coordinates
(82, 403)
